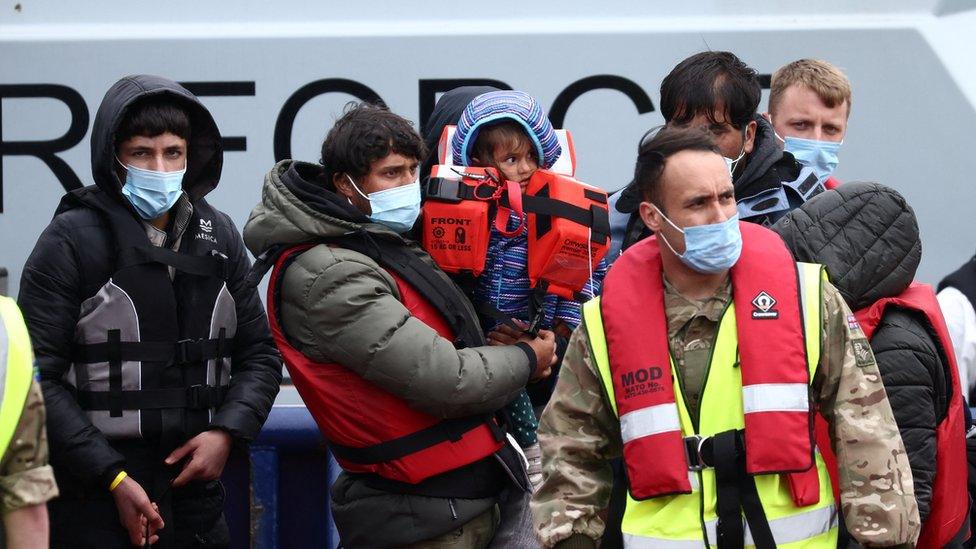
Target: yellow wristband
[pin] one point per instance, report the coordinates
(118, 480)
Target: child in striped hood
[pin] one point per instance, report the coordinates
(508, 131)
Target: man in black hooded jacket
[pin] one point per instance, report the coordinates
(717, 91)
(154, 355)
(867, 237)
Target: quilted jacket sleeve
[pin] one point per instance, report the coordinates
(339, 306)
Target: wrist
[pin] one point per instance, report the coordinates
(117, 480)
(530, 353)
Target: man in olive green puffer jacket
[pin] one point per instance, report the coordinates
(337, 305)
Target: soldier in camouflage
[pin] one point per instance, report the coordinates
(26, 480)
(580, 434)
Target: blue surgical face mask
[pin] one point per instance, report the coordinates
(151, 193)
(821, 156)
(397, 208)
(709, 249)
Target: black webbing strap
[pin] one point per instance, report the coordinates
(488, 310)
(196, 397)
(113, 355)
(447, 430)
(222, 349)
(537, 307)
(182, 352)
(452, 190)
(214, 265)
(736, 493)
(595, 217)
(444, 296)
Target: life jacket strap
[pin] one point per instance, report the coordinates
(448, 430)
(185, 351)
(195, 397)
(736, 492)
(213, 265)
(598, 219)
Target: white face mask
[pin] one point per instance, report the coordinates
(733, 163)
(742, 152)
(397, 208)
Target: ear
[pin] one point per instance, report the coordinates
(767, 117)
(750, 141)
(342, 185)
(650, 216)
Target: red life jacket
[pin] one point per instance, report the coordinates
(772, 350)
(950, 498)
(370, 430)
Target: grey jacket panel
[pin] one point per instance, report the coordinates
(110, 308)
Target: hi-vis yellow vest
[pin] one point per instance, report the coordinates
(682, 521)
(16, 359)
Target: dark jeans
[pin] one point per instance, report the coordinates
(193, 515)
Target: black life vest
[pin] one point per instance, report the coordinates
(151, 355)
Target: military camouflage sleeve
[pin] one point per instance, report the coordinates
(579, 435)
(25, 477)
(876, 488)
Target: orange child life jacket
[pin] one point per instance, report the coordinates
(568, 220)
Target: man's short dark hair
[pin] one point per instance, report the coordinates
(153, 116)
(656, 148)
(364, 134)
(707, 81)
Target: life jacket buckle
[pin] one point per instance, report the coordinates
(223, 264)
(188, 351)
(200, 397)
(446, 190)
(693, 452)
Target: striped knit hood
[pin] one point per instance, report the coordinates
(496, 106)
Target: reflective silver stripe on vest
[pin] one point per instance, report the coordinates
(775, 397)
(649, 421)
(632, 541)
(4, 353)
(802, 282)
(789, 529)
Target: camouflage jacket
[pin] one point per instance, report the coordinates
(25, 477)
(580, 434)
